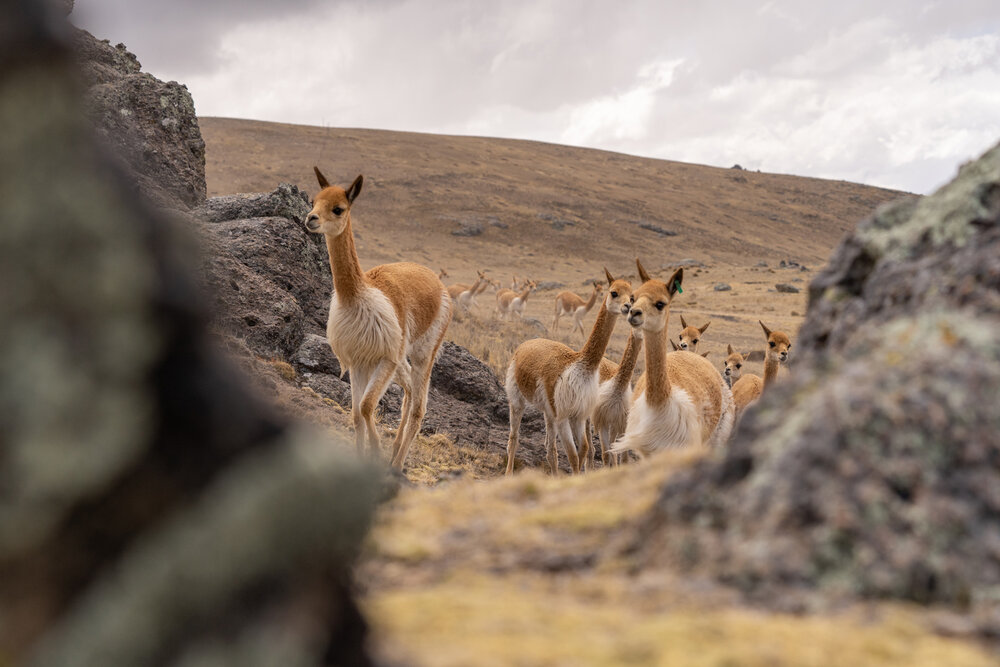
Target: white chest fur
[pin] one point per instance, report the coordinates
(576, 392)
(366, 331)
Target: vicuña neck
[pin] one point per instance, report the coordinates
(627, 366)
(770, 368)
(348, 278)
(657, 380)
(590, 304)
(597, 342)
(523, 296)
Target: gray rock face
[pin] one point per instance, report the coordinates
(722, 287)
(785, 288)
(285, 201)
(873, 469)
(153, 511)
(150, 124)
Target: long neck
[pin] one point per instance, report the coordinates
(597, 342)
(590, 304)
(627, 366)
(657, 380)
(482, 288)
(348, 278)
(523, 296)
(770, 368)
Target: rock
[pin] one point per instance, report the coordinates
(285, 201)
(314, 355)
(150, 124)
(154, 511)
(872, 469)
(284, 253)
(785, 288)
(722, 287)
(686, 263)
(468, 229)
(761, 264)
(648, 226)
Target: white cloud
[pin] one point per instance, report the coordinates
(890, 94)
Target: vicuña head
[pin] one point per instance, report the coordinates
(650, 307)
(689, 336)
(778, 343)
(733, 365)
(331, 211)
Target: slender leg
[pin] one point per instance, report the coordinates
(551, 453)
(420, 382)
(517, 407)
(359, 380)
(581, 436)
(566, 435)
(607, 457)
(404, 376)
(379, 382)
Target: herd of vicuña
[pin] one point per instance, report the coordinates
(387, 324)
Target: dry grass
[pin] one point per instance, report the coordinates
(490, 339)
(518, 571)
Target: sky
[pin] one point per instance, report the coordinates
(896, 93)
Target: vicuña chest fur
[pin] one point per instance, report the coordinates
(576, 391)
(365, 331)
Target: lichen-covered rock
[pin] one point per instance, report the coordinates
(150, 124)
(152, 510)
(874, 469)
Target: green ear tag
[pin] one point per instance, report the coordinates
(677, 286)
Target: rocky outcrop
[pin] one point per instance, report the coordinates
(149, 124)
(874, 468)
(153, 511)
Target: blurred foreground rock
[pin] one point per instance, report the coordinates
(152, 510)
(874, 469)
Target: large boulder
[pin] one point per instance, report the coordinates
(149, 124)
(154, 511)
(874, 469)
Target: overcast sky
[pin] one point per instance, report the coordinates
(895, 93)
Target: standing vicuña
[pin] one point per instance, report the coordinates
(386, 323)
(614, 395)
(569, 303)
(748, 388)
(680, 400)
(563, 384)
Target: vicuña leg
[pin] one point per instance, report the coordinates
(569, 446)
(359, 382)
(517, 407)
(420, 380)
(551, 453)
(379, 382)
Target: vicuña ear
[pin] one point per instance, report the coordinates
(705, 354)
(674, 284)
(746, 357)
(673, 344)
(684, 325)
(607, 274)
(643, 276)
(323, 183)
(702, 329)
(355, 189)
(729, 349)
(767, 332)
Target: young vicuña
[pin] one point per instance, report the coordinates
(748, 388)
(386, 323)
(563, 384)
(681, 399)
(570, 303)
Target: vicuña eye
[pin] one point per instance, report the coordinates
(660, 305)
(771, 343)
(614, 295)
(694, 342)
(738, 366)
(337, 210)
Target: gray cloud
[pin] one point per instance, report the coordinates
(893, 94)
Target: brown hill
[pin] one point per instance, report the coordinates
(559, 214)
(562, 210)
